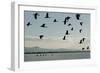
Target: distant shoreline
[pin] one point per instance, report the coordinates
(55, 52)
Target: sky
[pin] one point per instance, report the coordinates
(55, 31)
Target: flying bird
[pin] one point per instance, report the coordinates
(41, 36)
(81, 23)
(72, 28)
(43, 25)
(83, 48)
(80, 42)
(66, 20)
(80, 30)
(64, 38)
(35, 15)
(83, 39)
(78, 16)
(28, 24)
(88, 47)
(66, 32)
(47, 15)
(55, 20)
(69, 24)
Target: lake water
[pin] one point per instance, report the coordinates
(56, 56)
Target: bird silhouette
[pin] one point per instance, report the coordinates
(35, 15)
(80, 42)
(72, 28)
(64, 38)
(69, 24)
(78, 16)
(83, 48)
(55, 20)
(83, 39)
(67, 32)
(66, 20)
(43, 25)
(28, 24)
(80, 30)
(47, 15)
(88, 47)
(81, 23)
(41, 36)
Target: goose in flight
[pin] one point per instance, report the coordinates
(80, 30)
(83, 39)
(66, 20)
(72, 28)
(43, 25)
(88, 47)
(80, 42)
(78, 16)
(47, 15)
(55, 20)
(64, 38)
(41, 36)
(83, 48)
(35, 15)
(69, 24)
(28, 24)
(67, 33)
(81, 23)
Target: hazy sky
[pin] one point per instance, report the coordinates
(57, 29)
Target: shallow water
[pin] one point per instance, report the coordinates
(56, 56)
